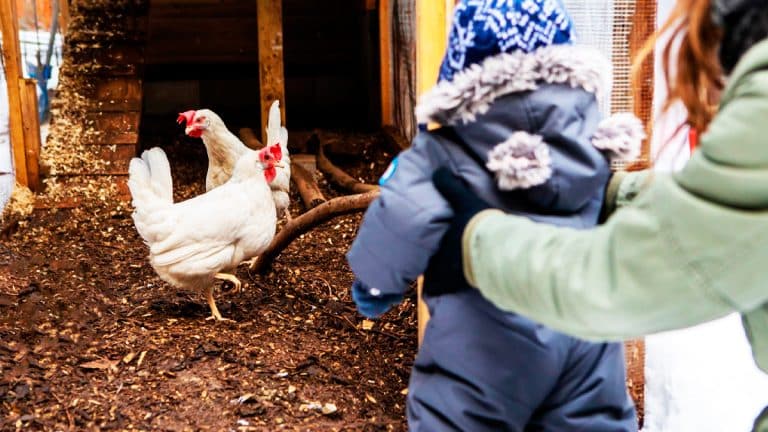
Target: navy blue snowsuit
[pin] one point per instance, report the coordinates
(481, 369)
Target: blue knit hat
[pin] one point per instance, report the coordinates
(483, 28)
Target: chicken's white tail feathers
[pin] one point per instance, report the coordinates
(149, 178)
(284, 140)
(160, 171)
(273, 124)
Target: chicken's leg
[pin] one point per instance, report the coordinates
(215, 314)
(231, 278)
(251, 263)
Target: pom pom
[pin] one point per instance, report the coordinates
(620, 136)
(520, 162)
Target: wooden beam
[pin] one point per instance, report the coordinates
(431, 40)
(432, 27)
(31, 125)
(269, 15)
(385, 62)
(9, 26)
(63, 16)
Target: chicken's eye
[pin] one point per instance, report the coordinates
(201, 119)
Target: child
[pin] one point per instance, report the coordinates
(520, 123)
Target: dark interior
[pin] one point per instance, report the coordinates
(204, 54)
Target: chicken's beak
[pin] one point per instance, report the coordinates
(279, 164)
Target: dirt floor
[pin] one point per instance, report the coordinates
(91, 338)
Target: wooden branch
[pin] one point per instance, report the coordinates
(248, 137)
(328, 210)
(307, 186)
(339, 177)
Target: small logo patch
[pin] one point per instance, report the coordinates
(389, 172)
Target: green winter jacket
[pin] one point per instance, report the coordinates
(691, 247)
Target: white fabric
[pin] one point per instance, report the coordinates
(701, 379)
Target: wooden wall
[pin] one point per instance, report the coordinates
(206, 52)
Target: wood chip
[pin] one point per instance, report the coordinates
(329, 409)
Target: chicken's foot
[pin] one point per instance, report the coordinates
(231, 278)
(215, 314)
(251, 263)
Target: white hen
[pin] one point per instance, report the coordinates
(194, 242)
(281, 187)
(224, 149)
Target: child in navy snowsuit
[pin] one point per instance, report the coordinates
(521, 124)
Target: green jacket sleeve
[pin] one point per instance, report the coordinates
(622, 189)
(690, 248)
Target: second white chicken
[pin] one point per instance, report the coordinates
(194, 242)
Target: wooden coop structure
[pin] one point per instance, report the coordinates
(357, 64)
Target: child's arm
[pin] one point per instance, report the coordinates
(401, 229)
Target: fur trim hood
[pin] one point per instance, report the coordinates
(472, 91)
(522, 159)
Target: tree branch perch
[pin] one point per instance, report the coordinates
(307, 186)
(324, 212)
(339, 177)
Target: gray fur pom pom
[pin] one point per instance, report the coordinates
(520, 162)
(620, 136)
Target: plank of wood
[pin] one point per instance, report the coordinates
(31, 125)
(432, 26)
(431, 41)
(385, 56)
(9, 26)
(269, 16)
(64, 16)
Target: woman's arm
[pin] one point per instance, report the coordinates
(690, 248)
(622, 189)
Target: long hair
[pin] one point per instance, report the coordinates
(694, 75)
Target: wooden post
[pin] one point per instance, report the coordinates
(31, 125)
(269, 15)
(63, 16)
(432, 27)
(385, 61)
(9, 26)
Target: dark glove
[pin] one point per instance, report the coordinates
(445, 273)
(370, 305)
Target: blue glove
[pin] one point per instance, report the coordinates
(372, 306)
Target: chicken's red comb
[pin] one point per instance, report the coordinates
(186, 116)
(277, 152)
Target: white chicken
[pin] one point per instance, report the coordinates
(194, 242)
(224, 149)
(281, 187)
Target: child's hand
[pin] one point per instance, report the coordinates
(370, 305)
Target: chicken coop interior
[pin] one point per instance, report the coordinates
(206, 54)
